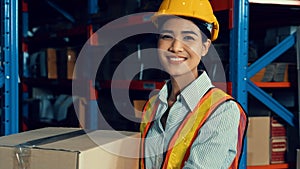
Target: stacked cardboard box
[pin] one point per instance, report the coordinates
(274, 72)
(258, 143)
(70, 148)
(266, 141)
(278, 141)
(52, 63)
(71, 54)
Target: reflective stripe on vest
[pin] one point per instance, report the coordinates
(180, 144)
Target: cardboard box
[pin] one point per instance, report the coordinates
(258, 76)
(71, 54)
(138, 107)
(258, 141)
(278, 150)
(277, 128)
(51, 63)
(70, 148)
(275, 35)
(277, 72)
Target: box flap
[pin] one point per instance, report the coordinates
(90, 140)
(24, 137)
(116, 149)
(53, 159)
(70, 148)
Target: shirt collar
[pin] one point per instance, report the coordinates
(163, 93)
(192, 93)
(196, 90)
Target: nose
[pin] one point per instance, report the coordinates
(177, 46)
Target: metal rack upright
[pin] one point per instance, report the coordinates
(9, 61)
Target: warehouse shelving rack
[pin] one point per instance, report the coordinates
(240, 73)
(9, 61)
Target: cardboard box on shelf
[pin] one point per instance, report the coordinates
(258, 76)
(258, 141)
(51, 63)
(71, 59)
(278, 141)
(70, 148)
(275, 35)
(278, 129)
(281, 72)
(277, 72)
(278, 150)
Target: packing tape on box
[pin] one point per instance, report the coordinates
(23, 151)
(22, 157)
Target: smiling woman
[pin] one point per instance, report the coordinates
(181, 47)
(190, 123)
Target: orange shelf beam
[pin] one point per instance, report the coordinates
(133, 85)
(223, 5)
(277, 2)
(273, 84)
(272, 166)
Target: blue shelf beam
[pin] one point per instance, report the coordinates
(298, 76)
(270, 56)
(261, 95)
(10, 53)
(60, 10)
(239, 60)
(266, 99)
(93, 6)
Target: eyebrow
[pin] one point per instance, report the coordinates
(189, 32)
(165, 31)
(183, 32)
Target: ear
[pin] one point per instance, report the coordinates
(205, 47)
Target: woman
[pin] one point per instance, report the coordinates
(190, 123)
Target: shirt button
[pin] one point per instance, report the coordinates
(160, 159)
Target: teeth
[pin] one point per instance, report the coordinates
(177, 59)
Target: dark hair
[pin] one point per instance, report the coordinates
(201, 24)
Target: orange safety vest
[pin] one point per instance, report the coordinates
(180, 144)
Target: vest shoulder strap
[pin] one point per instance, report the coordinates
(182, 140)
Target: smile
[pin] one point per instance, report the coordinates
(176, 60)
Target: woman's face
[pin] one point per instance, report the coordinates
(180, 47)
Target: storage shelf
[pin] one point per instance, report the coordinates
(75, 31)
(133, 85)
(44, 82)
(272, 166)
(277, 2)
(149, 85)
(221, 5)
(227, 4)
(273, 84)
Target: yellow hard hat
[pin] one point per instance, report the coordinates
(199, 9)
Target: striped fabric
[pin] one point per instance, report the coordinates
(215, 146)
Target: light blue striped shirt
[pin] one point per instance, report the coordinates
(215, 145)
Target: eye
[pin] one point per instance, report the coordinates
(189, 38)
(166, 37)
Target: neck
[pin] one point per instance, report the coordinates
(180, 82)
